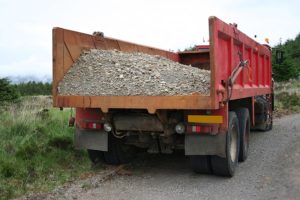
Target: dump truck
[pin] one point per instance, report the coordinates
(212, 129)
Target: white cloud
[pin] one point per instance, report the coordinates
(25, 32)
(29, 66)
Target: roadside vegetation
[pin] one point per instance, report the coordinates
(36, 143)
(289, 66)
(33, 88)
(8, 93)
(287, 97)
(36, 147)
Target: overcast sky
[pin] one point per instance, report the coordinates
(26, 26)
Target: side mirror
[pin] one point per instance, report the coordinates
(279, 56)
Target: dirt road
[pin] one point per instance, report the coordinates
(272, 171)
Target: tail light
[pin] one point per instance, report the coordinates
(193, 128)
(91, 125)
(89, 118)
(203, 129)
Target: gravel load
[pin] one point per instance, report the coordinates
(116, 73)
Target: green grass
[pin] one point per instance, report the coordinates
(36, 148)
(36, 145)
(287, 97)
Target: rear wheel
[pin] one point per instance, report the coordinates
(244, 125)
(226, 166)
(269, 122)
(263, 115)
(201, 164)
(118, 152)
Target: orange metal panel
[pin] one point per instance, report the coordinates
(112, 44)
(58, 59)
(124, 46)
(99, 43)
(151, 103)
(68, 60)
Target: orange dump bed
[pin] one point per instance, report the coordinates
(226, 44)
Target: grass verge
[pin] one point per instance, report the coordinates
(287, 97)
(36, 148)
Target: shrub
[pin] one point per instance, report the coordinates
(289, 101)
(28, 148)
(19, 128)
(8, 92)
(8, 168)
(290, 67)
(61, 142)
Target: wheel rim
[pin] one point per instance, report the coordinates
(233, 143)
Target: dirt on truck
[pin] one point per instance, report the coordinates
(129, 96)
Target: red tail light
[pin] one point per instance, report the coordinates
(89, 118)
(193, 128)
(91, 125)
(203, 129)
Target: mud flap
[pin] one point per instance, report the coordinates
(205, 145)
(94, 140)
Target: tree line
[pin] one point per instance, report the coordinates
(11, 92)
(289, 67)
(34, 88)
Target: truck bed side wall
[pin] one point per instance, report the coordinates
(226, 43)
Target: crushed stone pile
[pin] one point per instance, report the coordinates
(114, 73)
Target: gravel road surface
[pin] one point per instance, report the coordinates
(271, 172)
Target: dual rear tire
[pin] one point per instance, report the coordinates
(226, 166)
(244, 125)
(237, 145)
(118, 152)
